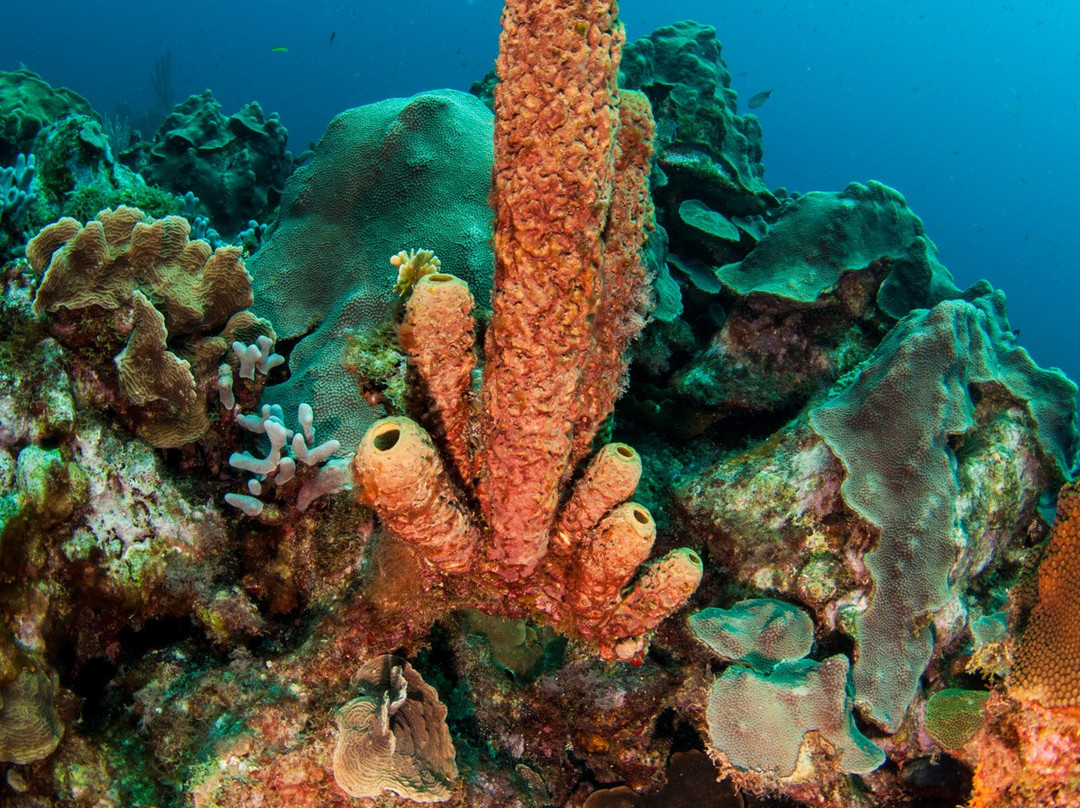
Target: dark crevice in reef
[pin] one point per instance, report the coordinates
(938, 782)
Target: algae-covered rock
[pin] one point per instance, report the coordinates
(27, 105)
(702, 142)
(822, 235)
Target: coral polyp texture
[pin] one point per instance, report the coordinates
(1047, 666)
(572, 215)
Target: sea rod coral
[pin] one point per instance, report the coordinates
(572, 213)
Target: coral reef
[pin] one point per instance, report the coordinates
(237, 164)
(702, 142)
(847, 464)
(28, 104)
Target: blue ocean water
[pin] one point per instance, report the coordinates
(970, 109)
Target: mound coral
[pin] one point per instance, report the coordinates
(760, 718)
(322, 272)
(898, 415)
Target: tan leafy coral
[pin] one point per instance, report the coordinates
(103, 262)
(29, 726)
(143, 280)
(394, 737)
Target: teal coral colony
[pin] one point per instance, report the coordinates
(520, 447)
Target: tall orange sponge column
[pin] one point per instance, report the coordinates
(572, 207)
(556, 108)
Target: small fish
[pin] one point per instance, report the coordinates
(279, 49)
(759, 99)
(332, 35)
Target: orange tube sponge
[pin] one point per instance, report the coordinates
(610, 478)
(662, 589)
(399, 474)
(620, 544)
(555, 126)
(625, 290)
(1047, 668)
(439, 336)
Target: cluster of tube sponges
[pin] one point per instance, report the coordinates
(498, 498)
(598, 540)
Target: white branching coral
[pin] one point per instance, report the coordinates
(279, 466)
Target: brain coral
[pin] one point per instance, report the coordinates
(1047, 667)
(394, 737)
(398, 173)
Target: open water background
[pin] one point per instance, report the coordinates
(970, 109)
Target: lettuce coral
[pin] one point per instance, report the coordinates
(97, 284)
